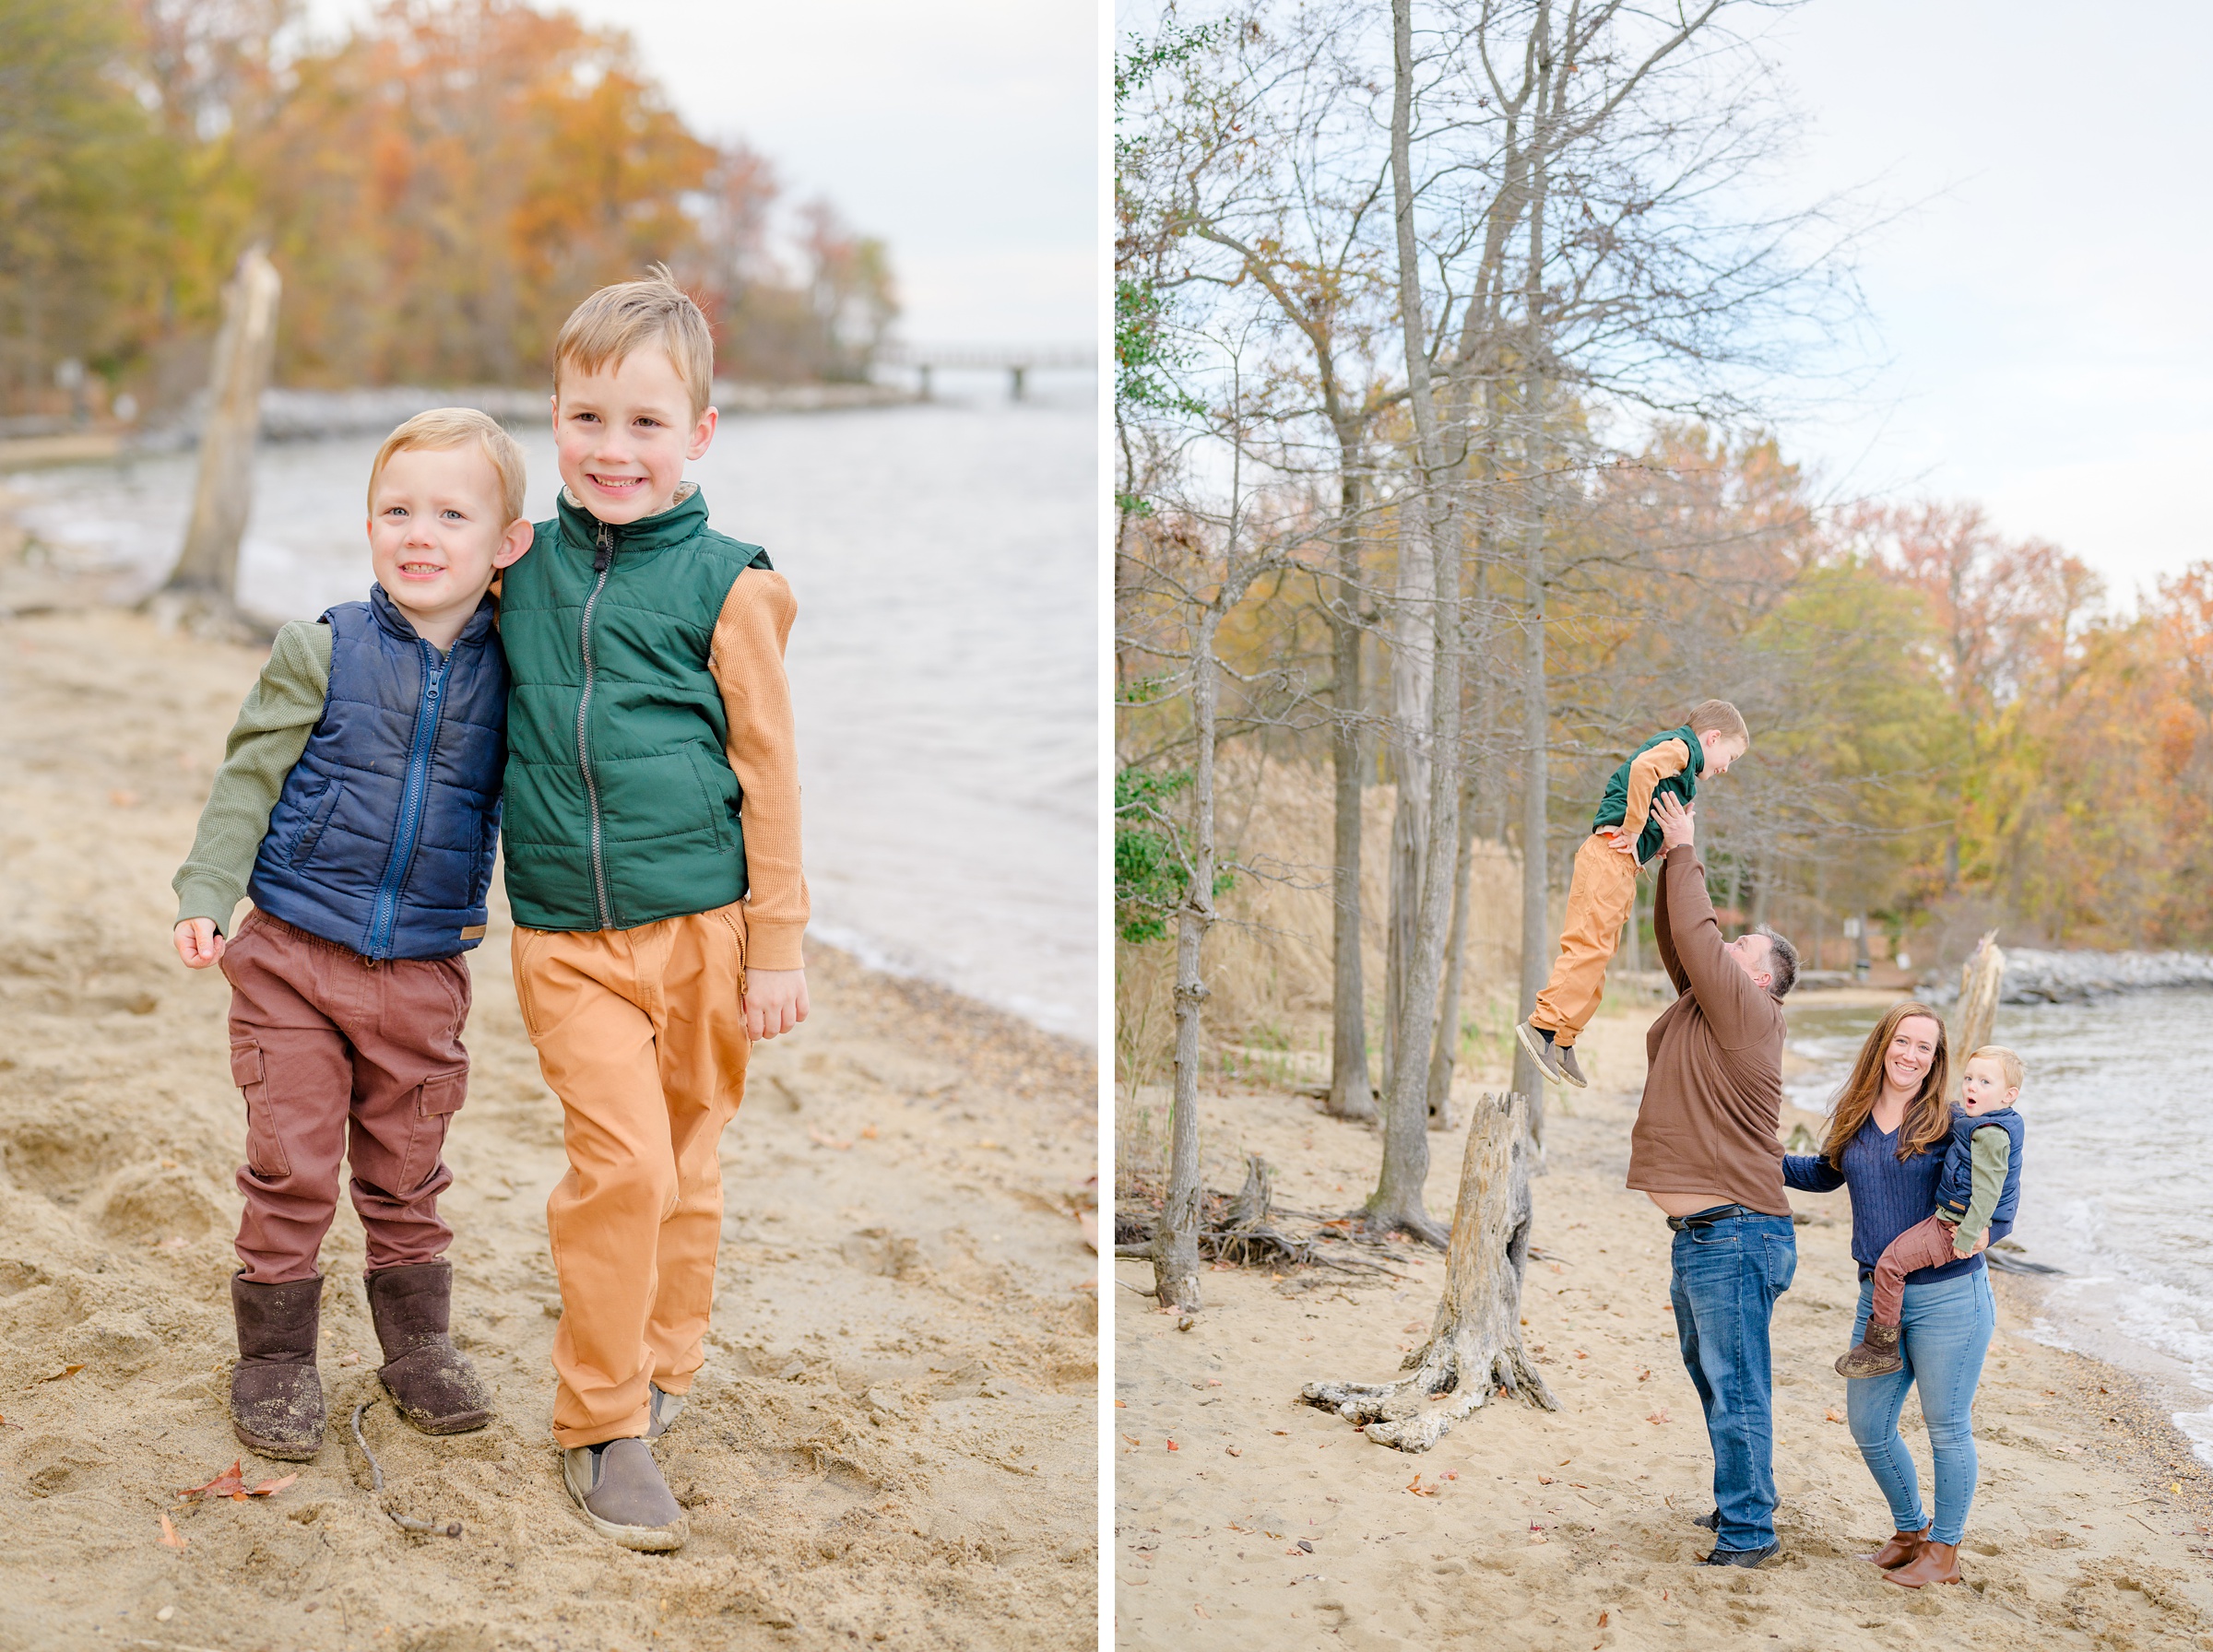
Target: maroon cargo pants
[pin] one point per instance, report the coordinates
(1928, 1244)
(341, 1059)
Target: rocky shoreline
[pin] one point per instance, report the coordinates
(2051, 977)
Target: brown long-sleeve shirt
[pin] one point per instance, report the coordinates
(1713, 1089)
(746, 660)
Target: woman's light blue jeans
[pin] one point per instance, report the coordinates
(1947, 1328)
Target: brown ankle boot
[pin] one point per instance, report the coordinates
(1936, 1563)
(276, 1392)
(1874, 1355)
(431, 1379)
(1902, 1547)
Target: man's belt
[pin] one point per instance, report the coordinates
(1712, 1214)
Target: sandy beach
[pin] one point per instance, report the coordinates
(893, 1443)
(1247, 1520)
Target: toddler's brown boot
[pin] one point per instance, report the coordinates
(1874, 1355)
(276, 1392)
(431, 1379)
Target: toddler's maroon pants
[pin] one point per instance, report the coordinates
(1927, 1244)
(341, 1058)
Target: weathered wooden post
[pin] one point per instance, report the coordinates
(204, 584)
(1980, 979)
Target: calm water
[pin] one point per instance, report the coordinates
(2114, 1175)
(944, 662)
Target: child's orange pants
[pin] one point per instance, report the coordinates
(1601, 892)
(641, 1032)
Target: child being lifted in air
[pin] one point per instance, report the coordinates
(1603, 889)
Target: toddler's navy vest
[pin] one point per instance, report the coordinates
(1955, 1186)
(383, 837)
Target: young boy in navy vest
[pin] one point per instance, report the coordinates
(1602, 890)
(358, 803)
(1980, 1188)
(653, 864)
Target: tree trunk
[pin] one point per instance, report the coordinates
(1396, 1203)
(204, 585)
(1446, 1051)
(1474, 1349)
(1980, 978)
(1176, 1239)
(1413, 682)
(1350, 1096)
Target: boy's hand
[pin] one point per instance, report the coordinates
(775, 1002)
(1677, 822)
(1974, 1249)
(198, 942)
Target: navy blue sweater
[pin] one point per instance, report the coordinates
(1888, 1197)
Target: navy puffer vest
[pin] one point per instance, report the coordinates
(383, 837)
(1955, 1186)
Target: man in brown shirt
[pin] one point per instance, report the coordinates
(1704, 1148)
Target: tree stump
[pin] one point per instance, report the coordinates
(1474, 1349)
(1980, 979)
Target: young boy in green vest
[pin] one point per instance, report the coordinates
(1602, 891)
(652, 821)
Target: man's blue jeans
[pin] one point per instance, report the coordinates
(1947, 1326)
(1727, 1277)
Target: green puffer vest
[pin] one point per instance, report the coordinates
(1613, 807)
(621, 807)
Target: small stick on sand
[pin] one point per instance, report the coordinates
(451, 1527)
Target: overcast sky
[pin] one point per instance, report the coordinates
(2045, 312)
(963, 132)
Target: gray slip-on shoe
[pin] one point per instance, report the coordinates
(1569, 1071)
(620, 1489)
(666, 1408)
(1750, 1559)
(1538, 1042)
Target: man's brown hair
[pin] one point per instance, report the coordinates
(633, 315)
(1718, 716)
(445, 428)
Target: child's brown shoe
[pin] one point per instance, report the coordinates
(431, 1379)
(1568, 1069)
(1539, 1044)
(276, 1392)
(1875, 1355)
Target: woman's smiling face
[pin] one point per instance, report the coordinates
(1912, 1048)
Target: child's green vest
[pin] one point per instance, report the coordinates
(620, 807)
(1613, 807)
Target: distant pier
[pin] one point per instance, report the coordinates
(1017, 361)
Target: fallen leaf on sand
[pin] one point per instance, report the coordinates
(1236, 1450)
(1602, 1620)
(231, 1483)
(1544, 1480)
(56, 1377)
(820, 1139)
(867, 1132)
(170, 1538)
(1173, 1447)
(1419, 1490)
(1834, 1415)
(1658, 1417)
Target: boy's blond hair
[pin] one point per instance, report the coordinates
(632, 316)
(443, 429)
(2008, 1063)
(1718, 716)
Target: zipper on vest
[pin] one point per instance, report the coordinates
(603, 556)
(414, 798)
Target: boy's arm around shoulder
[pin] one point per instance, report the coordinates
(1990, 1154)
(746, 660)
(279, 713)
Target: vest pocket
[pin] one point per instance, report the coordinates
(325, 807)
(264, 1148)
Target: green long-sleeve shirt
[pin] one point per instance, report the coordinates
(1990, 1154)
(280, 711)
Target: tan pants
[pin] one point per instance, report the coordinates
(641, 1032)
(1601, 892)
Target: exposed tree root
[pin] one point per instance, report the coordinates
(1238, 1230)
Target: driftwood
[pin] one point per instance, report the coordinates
(1474, 1349)
(1240, 1229)
(1980, 979)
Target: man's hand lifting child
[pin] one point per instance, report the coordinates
(199, 942)
(775, 1002)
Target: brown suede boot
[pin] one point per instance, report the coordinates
(1875, 1354)
(1936, 1563)
(1902, 1547)
(431, 1379)
(276, 1392)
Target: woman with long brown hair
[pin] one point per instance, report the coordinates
(1886, 1136)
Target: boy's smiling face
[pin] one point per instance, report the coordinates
(1721, 750)
(624, 432)
(437, 534)
(1983, 1088)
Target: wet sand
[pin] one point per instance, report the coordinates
(893, 1443)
